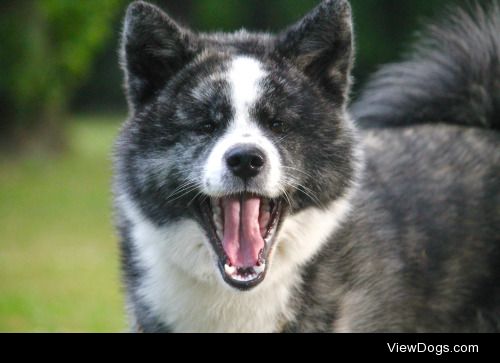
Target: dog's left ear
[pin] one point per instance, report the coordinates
(321, 46)
(154, 49)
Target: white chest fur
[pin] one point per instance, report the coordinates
(184, 289)
(191, 306)
(191, 297)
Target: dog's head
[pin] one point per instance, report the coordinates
(237, 132)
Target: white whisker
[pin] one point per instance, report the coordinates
(293, 183)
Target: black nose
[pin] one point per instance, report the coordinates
(245, 161)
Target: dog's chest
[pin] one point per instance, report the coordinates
(187, 306)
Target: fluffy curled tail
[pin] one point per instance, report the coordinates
(451, 76)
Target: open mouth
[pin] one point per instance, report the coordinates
(242, 230)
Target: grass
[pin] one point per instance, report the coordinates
(59, 266)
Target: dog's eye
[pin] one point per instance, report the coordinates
(277, 126)
(207, 127)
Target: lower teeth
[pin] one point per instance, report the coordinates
(233, 272)
(229, 269)
(260, 268)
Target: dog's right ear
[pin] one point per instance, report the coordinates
(153, 49)
(321, 46)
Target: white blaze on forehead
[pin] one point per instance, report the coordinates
(245, 75)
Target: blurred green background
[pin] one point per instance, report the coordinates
(61, 104)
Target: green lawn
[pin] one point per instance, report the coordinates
(58, 251)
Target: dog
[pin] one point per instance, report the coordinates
(252, 196)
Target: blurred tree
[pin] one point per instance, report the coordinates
(384, 29)
(47, 47)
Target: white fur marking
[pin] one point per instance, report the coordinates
(244, 76)
(185, 289)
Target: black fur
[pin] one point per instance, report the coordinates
(321, 45)
(154, 49)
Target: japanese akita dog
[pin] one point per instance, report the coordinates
(251, 197)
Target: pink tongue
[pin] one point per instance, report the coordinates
(242, 240)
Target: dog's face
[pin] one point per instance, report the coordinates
(236, 132)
